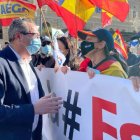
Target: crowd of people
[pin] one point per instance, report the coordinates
(94, 53)
(22, 100)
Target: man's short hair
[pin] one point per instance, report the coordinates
(18, 25)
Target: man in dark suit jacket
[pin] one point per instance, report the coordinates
(21, 94)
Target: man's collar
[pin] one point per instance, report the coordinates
(27, 60)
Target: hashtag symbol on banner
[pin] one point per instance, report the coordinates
(75, 111)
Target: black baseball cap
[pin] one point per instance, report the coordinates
(101, 34)
(45, 40)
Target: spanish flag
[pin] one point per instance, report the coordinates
(106, 18)
(11, 9)
(120, 44)
(118, 8)
(75, 13)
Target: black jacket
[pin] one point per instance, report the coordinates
(16, 109)
(134, 70)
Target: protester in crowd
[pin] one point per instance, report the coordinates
(132, 58)
(96, 47)
(134, 75)
(69, 47)
(44, 58)
(73, 52)
(20, 88)
(64, 48)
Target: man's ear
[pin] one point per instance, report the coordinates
(102, 44)
(17, 36)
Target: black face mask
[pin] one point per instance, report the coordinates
(86, 47)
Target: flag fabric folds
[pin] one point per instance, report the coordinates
(106, 18)
(11, 9)
(118, 8)
(75, 13)
(120, 44)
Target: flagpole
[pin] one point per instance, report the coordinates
(76, 45)
(45, 22)
(40, 22)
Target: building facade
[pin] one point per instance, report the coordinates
(129, 27)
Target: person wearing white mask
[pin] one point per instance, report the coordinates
(21, 95)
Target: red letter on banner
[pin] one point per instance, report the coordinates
(98, 126)
(129, 129)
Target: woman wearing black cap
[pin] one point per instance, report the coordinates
(97, 46)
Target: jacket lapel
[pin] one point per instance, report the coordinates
(17, 71)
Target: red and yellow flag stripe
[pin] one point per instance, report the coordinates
(119, 44)
(75, 13)
(118, 8)
(10, 9)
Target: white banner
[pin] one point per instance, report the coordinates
(102, 108)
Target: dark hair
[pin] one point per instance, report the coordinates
(118, 57)
(64, 41)
(106, 51)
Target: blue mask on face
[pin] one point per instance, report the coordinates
(34, 46)
(47, 50)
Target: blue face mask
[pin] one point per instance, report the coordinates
(34, 46)
(47, 50)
